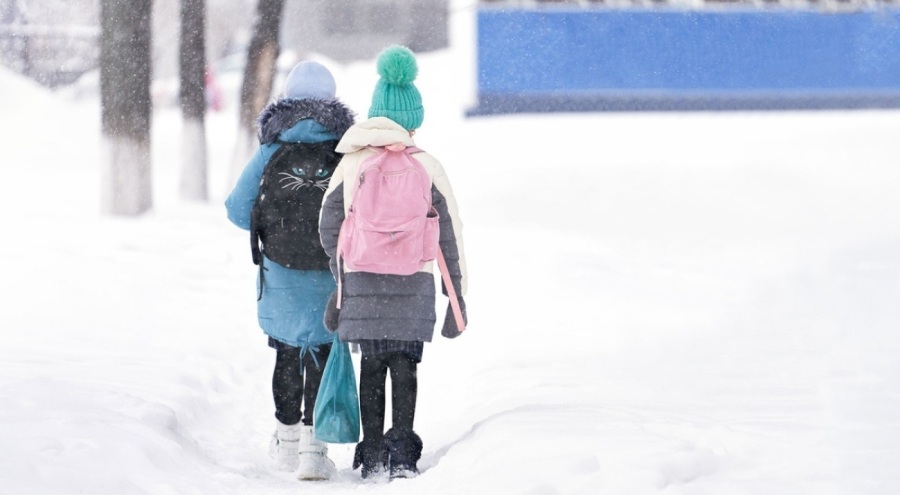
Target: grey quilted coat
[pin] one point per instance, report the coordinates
(377, 306)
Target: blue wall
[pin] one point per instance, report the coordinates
(571, 60)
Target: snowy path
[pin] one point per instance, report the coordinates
(661, 304)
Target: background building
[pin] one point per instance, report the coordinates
(359, 29)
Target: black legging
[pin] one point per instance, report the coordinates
(404, 388)
(288, 387)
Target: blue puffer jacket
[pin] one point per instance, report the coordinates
(293, 301)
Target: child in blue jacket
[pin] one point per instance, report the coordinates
(292, 300)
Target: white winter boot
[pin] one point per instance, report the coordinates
(314, 462)
(285, 446)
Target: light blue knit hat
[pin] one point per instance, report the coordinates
(309, 79)
(396, 97)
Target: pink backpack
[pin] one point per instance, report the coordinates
(391, 227)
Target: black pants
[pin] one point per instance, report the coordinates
(295, 383)
(372, 387)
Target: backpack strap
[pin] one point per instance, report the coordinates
(340, 276)
(454, 301)
(262, 279)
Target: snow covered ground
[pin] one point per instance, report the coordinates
(660, 303)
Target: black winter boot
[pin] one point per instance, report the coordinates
(404, 450)
(372, 456)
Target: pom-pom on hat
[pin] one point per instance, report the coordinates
(395, 95)
(309, 79)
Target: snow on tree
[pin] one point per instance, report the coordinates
(259, 76)
(125, 69)
(193, 184)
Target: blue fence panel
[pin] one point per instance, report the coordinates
(605, 59)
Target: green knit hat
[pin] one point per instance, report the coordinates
(395, 95)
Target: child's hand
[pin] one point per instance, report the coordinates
(450, 330)
(332, 313)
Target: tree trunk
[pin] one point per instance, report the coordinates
(259, 76)
(125, 68)
(192, 96)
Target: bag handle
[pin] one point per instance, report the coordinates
(454, 302)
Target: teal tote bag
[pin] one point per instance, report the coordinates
(336, 415)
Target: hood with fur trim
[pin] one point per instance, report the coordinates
(281, 115)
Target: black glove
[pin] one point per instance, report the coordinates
(449, 329)
(332, 313)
